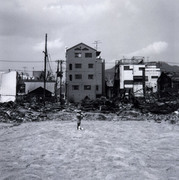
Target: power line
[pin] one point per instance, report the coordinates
(10, 69)
(23, 61)
(15, 70)
(107, 62)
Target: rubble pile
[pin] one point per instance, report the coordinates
(101, 109)
(158, 106)
(12, 112)
(100, 104)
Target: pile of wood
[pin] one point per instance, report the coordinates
(157, 106)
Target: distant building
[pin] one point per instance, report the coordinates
(8, 85)
(84, 73)
(25, 86)
(31, 85)
(130, 76)
(134, 76)
(152, 73)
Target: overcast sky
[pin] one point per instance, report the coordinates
(125, 28)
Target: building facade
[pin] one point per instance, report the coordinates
(133, 76)
(84, 73)
(131, 73)
(152, 73)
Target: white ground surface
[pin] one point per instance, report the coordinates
(104, 150)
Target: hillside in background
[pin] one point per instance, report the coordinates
(165, 67)
(109, 73)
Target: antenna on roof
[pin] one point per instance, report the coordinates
(96, 44)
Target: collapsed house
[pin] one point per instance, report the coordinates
(168, 85)
(33, 85)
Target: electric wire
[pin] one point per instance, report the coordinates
(107, 62)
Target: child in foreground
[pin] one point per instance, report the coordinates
(79, 116)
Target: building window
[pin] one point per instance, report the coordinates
(154, 77)
(78, 76)
(97, 87)
(88, 55)
(70, 77)
(75, 87)
(138, 78)
(90, 76)
(70, 66)
(87, 87)
(78, 66)
(78, 55)
(90, 65)
(141, 69)
(126, 68)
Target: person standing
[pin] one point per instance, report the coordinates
(79, 116)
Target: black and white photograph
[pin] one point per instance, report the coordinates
(89, 90)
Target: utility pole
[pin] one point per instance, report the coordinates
(56, 83)
(143, 82)
(45, 62)
(60, 75)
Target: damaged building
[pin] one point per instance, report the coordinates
(34, 86)
(134, 76)
(168, 84)
(36, 83)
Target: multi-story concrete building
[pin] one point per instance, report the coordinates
(133, 75)
(84, 73)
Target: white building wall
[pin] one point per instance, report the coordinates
(128, 75)
(8, 83)
(125, 75)
(136, 69)
(152, 72)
